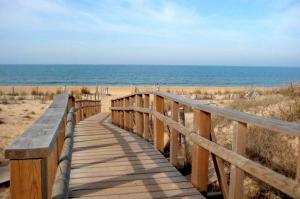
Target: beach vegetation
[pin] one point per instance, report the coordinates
(58, 92)
(20, 98)
(34, 91)
(76, 93)
(4, 101)
(85, 91)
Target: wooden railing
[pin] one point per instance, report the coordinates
(86, 108)
(137, 106)
(46, 146)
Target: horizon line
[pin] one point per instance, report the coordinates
(103, 64)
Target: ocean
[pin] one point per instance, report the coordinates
(169, 75)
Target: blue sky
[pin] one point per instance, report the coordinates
(231, 32)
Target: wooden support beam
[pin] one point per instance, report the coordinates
(27, 179)
(219, 167)
(126, 114)
(112, 112)
(158, 124)
(139, 115)
(200, 156)
(236, 174)
(131, 113)
(78, 112)
(174, 138)
(146, 133)
(121, 114)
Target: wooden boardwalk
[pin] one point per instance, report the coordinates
(109, 163)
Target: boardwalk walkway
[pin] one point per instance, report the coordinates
(109, 162)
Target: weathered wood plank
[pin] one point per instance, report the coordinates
(202, 125)
(158, 124)
(123, 169)
(267, 123)
(37, 141)
(26, 179)
(174, 141)
(236, 174)
(146, 133)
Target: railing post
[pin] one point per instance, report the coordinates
(81, 111)
(158, 125)
(121, 102)
(126, 114)
(131, 113)
(116, 113)
(146, 133)
(24, 174)
(200, 156)
(174, 142)
(139, 115)
(113, 112)
(78, 112)
(236, 174)
(120, 113)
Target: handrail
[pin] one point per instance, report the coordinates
(279, 126)
(37, 154)
(38, 140)
(202, 135)
(267, 123)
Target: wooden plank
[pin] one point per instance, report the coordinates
(26, 179)
(146, 134)
(113, 112)
(174, 141)
(219, 167)
(136, 189)
(130, 183)
(61, 137)
(267, 123)
(146, 195)
(37, 141)
(131, 114)
(139, 115)
(102, 172)
(200, 156)
(52, 162)
(158, 124)
(126, 114)
(236, 174)
(123, 169)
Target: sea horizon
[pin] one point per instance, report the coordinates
(146, 75)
